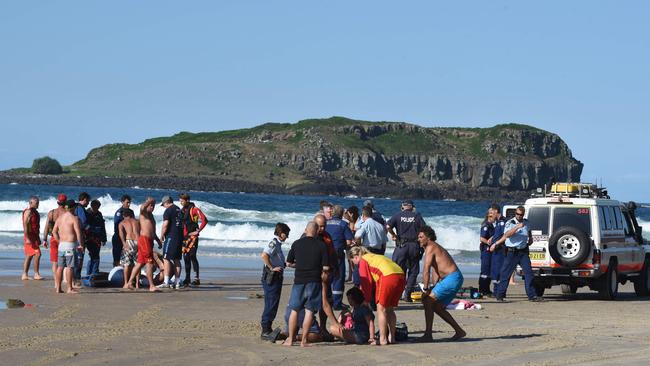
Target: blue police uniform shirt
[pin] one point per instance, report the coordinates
(407, 223)
(340, 231)
(119, 216)
(372, 234)
(499, 229)
(274, 250)
(487, 230)
(520, 239)
(81, 214)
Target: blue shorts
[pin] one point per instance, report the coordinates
(306, 296)
(172, 249)
(445, 290)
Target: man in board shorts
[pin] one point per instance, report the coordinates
(31, 228)
(449, 282)
(52, 216)
(145, 244)
(128, 232)
(67, 231)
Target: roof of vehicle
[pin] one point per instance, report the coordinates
(539, 201)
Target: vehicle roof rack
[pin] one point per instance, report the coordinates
(573, 190)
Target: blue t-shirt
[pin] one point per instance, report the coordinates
(520, 239)
(487, 230)
(339, 231)
(119, 216)
(174, 216)
(80, 212)
(499, 229)
(372, 234)
(359, 314)
(407, 224)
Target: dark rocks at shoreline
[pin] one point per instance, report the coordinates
(212, 184)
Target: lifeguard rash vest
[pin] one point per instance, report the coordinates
(372, 267)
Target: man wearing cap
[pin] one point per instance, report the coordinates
(342, 237)
(172, 236)
(80, 212)
(95, 236)
(52, 216)
(119, 216)
(376, 215)
(407, 250)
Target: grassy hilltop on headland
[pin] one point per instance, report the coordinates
(343, 156)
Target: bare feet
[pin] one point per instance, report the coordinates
(25, 277)
(305, 344)
(58, 290)
(72, 291)
(38, 277)
(154, 289)
(458, 335)
(287, 343)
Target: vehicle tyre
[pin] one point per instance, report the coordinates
(569, 246)
(642, 283)
(569, 289)
(609, 285)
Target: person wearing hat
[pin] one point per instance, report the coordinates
(407, 252)
(171, 235)
(376, 215)
(52, 216)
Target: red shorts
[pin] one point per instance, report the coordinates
(54, 250)
(145, 250)
(33, 248)
(389, 290)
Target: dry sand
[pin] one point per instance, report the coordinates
(212, 325)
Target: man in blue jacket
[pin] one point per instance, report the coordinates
(342, 237)
(80, 212)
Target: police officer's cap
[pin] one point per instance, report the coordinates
(407, 203)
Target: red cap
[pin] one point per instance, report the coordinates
(61, 198)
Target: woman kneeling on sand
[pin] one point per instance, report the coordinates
(388, 279)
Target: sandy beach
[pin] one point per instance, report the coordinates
(218, 323)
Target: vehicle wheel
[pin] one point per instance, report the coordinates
(569, 246)
(569, 289)
(642, 283)
(609, 286)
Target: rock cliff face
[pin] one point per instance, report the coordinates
(343, 156)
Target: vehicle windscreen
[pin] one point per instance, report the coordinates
(577, 217)
(538, 219)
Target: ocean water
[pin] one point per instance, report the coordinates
(240, 225)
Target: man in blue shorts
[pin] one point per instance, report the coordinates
(308, 256)
(447, 278)
(172, 236)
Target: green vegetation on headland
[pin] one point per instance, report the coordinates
(349, 155)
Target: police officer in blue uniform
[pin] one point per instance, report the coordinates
(119, 216)
(487, 231)
(496, 244)
(342, 237)
(407, 252)
(518, 238)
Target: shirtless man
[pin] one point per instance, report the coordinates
(67, 231)
(128, 232)
(447, 279)
(31, 240)
(145, 244)
(52, 216)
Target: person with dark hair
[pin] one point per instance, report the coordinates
(496, 244)
(351, 216)
(342, 238)
(80, 212)
(67, 231)
(31, 240)
(192, 216)
(486, 233)
(407, 251)
(272, 276)
(447, 280)
(363, 320)
(172, 236)
(52, 216)
(517, 239)
(128, 231)
(371, 234)
(376, 215)
(119, 215)
(95, 236)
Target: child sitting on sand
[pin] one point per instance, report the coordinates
(363, 321)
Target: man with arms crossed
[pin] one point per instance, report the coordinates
(67, 231)
(308, 256)
(447, 279)
(128, 231)
(145, 244)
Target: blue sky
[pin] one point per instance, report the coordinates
(75, 75)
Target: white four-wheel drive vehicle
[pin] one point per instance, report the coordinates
(581, 237)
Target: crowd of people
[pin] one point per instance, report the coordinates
(72, 229)
(339, 241)
(337, 246)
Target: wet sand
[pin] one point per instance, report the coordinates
(218, 324)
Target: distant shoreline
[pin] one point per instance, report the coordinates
(214, 184)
